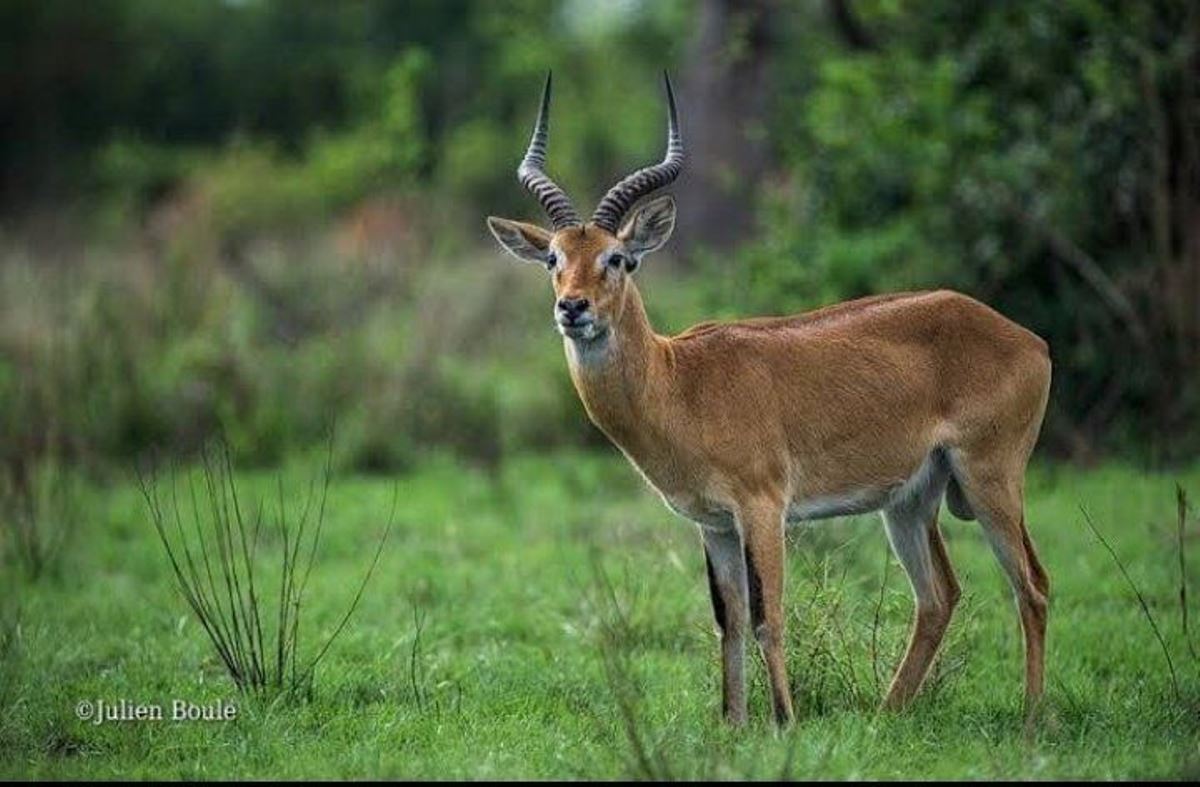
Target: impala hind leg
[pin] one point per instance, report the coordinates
(917, 543)
(1001, 512)
(727, 585)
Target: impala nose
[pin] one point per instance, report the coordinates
(570, 309)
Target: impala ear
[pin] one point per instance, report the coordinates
(524, 241)
(649, 228)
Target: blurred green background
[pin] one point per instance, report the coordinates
(257, 217)
(259, 220)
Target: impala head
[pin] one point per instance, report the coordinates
(590, 263)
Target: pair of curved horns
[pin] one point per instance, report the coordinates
(621, 197)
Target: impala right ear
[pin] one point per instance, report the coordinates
(524, 241)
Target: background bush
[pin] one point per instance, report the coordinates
(259, 217)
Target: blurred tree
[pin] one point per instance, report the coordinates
(849, 27)
(726, 88)
(74, 76)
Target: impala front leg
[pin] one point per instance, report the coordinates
(762, 528)
(727, 584)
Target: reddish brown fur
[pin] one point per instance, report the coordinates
(754, 416)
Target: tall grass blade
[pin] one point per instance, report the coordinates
(217, 563)
(1141, 600)
(1181, 508)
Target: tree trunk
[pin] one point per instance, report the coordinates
(723, 114)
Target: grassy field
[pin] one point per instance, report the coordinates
(550, 619)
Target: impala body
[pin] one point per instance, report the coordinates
(887, 403)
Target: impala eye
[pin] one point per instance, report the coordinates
(551, 260)
(616, 260)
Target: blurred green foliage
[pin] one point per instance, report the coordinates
(341, 98)
(261, 216)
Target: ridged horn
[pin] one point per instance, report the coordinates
(621, 197)
(553, 199)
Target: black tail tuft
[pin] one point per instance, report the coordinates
(956, 501)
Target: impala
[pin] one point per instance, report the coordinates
(887, 403)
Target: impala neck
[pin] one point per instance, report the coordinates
(617, 377)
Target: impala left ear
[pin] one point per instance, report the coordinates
(649, 228)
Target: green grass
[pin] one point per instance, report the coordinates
(525, 667)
